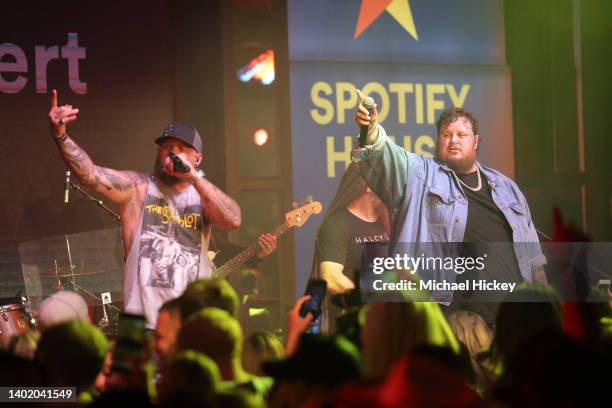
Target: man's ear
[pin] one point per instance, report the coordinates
(198, 158)
(477, 141)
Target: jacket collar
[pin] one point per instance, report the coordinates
(491, 175)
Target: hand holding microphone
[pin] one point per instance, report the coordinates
(177, 164)
(366, 117)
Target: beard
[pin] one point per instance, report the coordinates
(158, 171)
(460, 166)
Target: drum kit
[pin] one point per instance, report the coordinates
(63, 275)
(16, 317)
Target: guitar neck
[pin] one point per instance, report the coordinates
(245, 255)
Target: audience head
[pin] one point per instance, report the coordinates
(472, 331)
(528, 311)
(320, 365)
(260, 347)
(60, 307)
(189, 377)
(167, 328)
(320, 360)
(392, 329)
(209, 293)
(24, 344)
(215, 333)
(72, 353)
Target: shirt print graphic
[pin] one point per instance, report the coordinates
(169, 244)
(384, 237)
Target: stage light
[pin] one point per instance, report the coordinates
(260, 137)
(260, 68)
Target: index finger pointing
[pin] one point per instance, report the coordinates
(360, 95)
(53, 99)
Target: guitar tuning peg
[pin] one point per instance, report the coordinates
(309, 199)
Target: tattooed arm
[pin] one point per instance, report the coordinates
(217, 207)
(118, 187)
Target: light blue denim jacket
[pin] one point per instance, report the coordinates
(427, 204)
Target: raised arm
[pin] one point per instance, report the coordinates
(117, 186)
(384, 165)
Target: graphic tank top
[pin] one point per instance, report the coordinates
(168, 252)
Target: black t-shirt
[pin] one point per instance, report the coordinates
(341, 238)
(485, 222)
(487, 231)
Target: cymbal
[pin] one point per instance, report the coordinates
(64, 272)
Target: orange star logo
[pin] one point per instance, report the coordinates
(370, 10)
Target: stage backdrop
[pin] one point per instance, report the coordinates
(115, 65)
(415, 58)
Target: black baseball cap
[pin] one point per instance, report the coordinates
(186, 133)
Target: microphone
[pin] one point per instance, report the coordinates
(367, 103)
(178, 165)
(67, 187)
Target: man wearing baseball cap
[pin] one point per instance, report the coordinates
(166, 217)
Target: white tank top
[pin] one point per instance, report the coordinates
(168, 252)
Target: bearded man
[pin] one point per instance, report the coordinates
(452, 198)
(164, 216)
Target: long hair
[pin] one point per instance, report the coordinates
(352, 186)
(471, 330)
(259, 347)
(392, 329)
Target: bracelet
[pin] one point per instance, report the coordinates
(61, 139)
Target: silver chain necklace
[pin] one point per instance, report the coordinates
(478, 187)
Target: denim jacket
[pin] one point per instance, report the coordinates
(427, 204)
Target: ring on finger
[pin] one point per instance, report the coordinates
(61, 121)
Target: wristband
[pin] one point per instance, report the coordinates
(61, 139)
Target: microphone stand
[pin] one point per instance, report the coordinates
(104, 322)
(99, 202)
